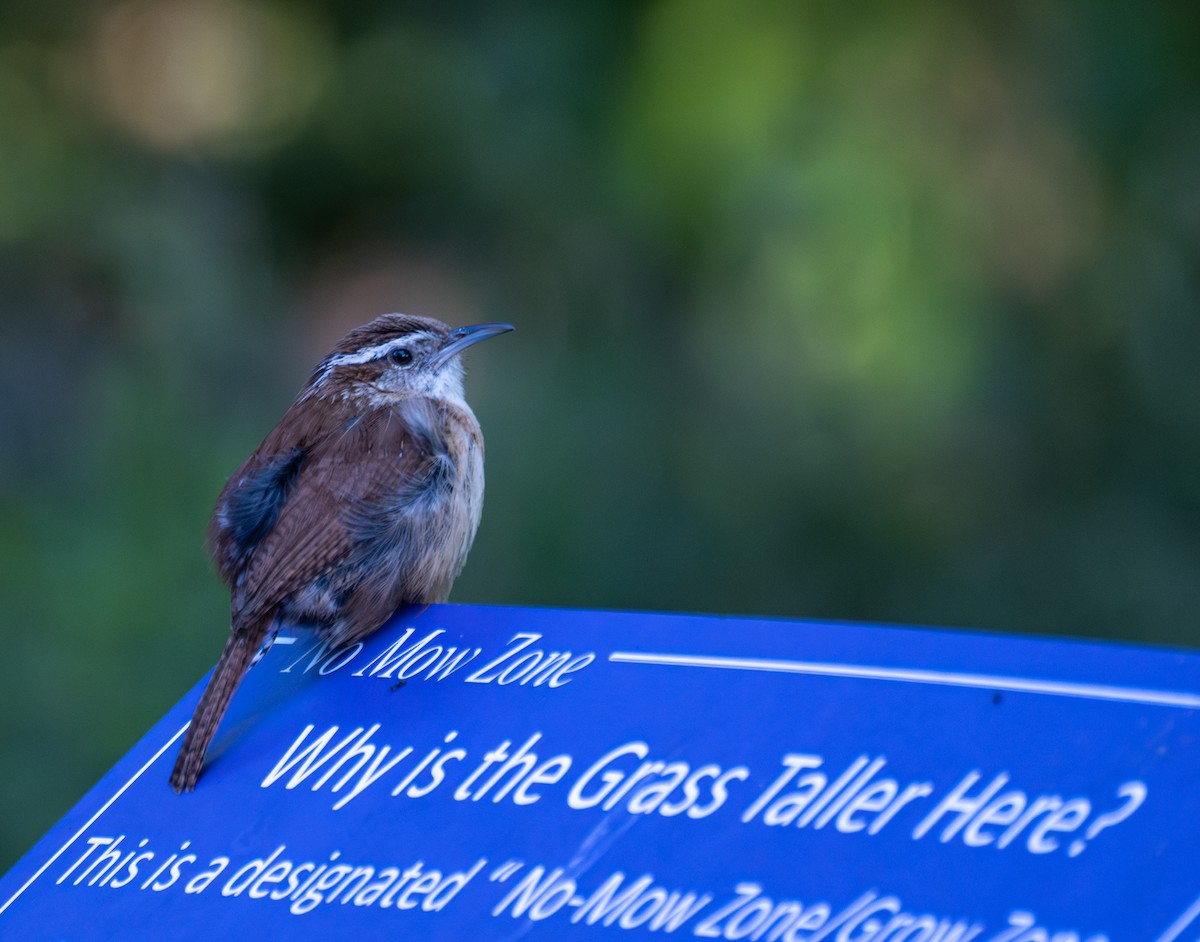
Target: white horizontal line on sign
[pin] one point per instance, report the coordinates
(1055, 688)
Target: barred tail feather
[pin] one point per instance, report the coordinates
(240, 652)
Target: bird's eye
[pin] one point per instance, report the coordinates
(400, 356)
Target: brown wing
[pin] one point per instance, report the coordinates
(357, 471)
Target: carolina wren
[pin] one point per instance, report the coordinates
(365, 496)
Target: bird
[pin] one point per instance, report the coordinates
(365, 497)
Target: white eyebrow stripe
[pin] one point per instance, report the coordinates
(367, 354)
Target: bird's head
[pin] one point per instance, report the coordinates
(398, 355)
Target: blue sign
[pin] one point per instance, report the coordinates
(495, 773)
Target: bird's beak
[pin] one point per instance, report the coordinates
(462, 337)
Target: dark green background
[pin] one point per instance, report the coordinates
(884, 312)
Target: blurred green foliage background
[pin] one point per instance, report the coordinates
(882, 312)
